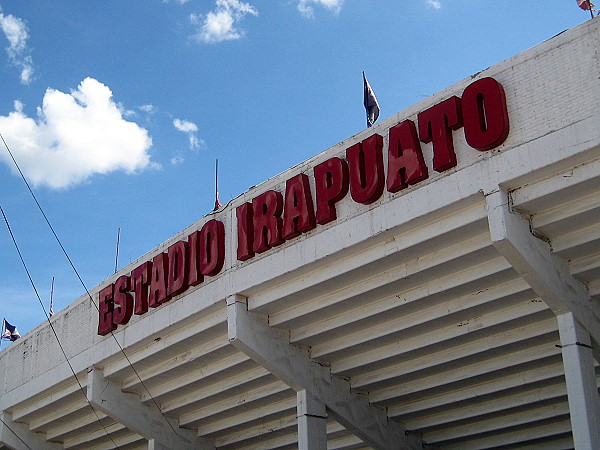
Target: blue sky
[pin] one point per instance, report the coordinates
(117, 110)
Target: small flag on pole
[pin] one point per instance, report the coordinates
(585, 4)
(371, 104)
(217, 201)
(51, 295)
(10, 332)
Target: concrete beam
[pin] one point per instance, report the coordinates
(312, 422)
(154, 445)
(17, 436)
(582, 390)
(271, 348)
(146, 420)
(546, 273)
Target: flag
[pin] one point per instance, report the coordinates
(10, 332)
(217, 202)
(371, 104)
(52, 289)
(585, 4)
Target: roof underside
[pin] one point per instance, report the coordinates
(429, 320)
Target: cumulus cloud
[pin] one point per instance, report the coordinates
(433, 4)
(191, 129)
(17, 34)
(306, 6)
(222, 23)
(74, 136)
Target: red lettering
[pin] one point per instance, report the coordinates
(405, 158)
(365, 162)
(122, 299)
(178, 258)
(140, 279)
(158, 281)
(485, 114)
(331, 185)
(245, 232)
(299, 214)
(436, 125)
(105, 321)
(212, 247)
(266, 211)
(194, 275)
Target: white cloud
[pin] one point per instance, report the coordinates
(148, 109)
(190, 129)
(306, 9)
(74, 136)
(177, 160)
(16, 32)
(185, 126)
(433, 4)
(221, 24)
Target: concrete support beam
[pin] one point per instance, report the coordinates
(547, 274)
(17, 436)
(271, 348)
(312, 422)
(154, 445)
(146, 420)
(584, 404)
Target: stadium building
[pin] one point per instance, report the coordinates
(431, 282)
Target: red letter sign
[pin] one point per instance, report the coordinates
(331, 185)
(194, 275)
(140, 278)
(178, 270)
(105, 321)
(158, 281)
(212, 247)
(299, 214)
(485, 114)
(436, 124)
(405, 159)
(245, 232)
(267, 209)
(365, 161)
(123, 299)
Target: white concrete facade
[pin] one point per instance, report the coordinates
(460, 312)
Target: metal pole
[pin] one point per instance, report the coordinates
(51, 297)
(117, 256)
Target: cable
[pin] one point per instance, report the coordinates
(84, 287)
(51, 326)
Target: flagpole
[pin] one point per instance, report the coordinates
(51, 312)
(216, 179)
(117, 255)
(365, 96)
(217, 202)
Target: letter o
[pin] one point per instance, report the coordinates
(485, 116)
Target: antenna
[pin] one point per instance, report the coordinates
(217, 201)
(51, 311)
(117, 255)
